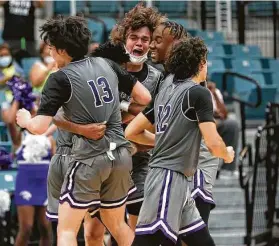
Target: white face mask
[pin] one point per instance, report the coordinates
(48, 59)
(137, 60)
(5, 61)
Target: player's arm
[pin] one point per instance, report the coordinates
(93, 131)
(200, 98)
(49, 132)
(141, 129)
(57, 90)
(132, 87)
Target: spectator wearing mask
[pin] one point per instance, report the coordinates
(227, 127)
(8, 66)
(42, 69)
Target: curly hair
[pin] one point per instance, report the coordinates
(67, 33)
(186, 57)
(176, 30)
(115, 52)
(137, 17)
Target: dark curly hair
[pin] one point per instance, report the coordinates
(176, 30)
(186, 57)
(67, 33)
(137, 17)
(115, 52)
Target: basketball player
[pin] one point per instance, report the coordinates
(179, 121)
(134, 33)
(87, 89)
(167, 34)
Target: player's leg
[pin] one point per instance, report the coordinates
(114, 192)
(164, 197)
(194, 231)
(44, 226)
(25, 216)
(94, 231)
(80, 191)
(69, 221)
(56, 173)
(134, 201)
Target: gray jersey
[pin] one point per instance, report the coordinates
(64, 138)
(152, 79)
(150, 83)
(178, 139)
(94, 98)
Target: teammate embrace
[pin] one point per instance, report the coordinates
(92, 169)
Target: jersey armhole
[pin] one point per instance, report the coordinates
(70, 85)
(189, 107)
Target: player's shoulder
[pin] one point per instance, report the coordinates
(199, 90)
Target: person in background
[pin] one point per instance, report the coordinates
(8, 66)
(19, 25)
(33, 155)
(42, 69)
(227, 127)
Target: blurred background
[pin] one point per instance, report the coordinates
(243, 42)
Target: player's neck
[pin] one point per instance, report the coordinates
(134, 67)
(197, 79)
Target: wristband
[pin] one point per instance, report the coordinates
(124, 106)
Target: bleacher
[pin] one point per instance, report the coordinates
(222, 57)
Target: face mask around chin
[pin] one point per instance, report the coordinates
(137, 60)
(5, 61)
(48, 59)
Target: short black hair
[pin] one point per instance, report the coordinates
(186, 57)
(112, 51)
(67, 33)
(176, 30)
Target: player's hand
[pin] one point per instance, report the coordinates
(93, 131)
(23, 117)
(230, 155)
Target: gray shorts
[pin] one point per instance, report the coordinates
(139, 173)
(56, 173)
(105, 183)
(168, 205)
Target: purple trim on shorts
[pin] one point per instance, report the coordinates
(75, 166)
(94, 212)
(168, 195)
(111, 205)
(194, 229)
(51, 218)
(198, 178)
(78, 203)
(162, 193)
(158, 227)
(132, 190)
(199, 192)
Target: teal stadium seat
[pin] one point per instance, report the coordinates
(246, 65)
(180, 21)
(7, 180)
(215, 51)
(211, 37)
(97, 29)
(247, 51)
(128, 5)
(27, 64)
(172, 8)
(5, 138)
(63, 7)
(108, 8)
